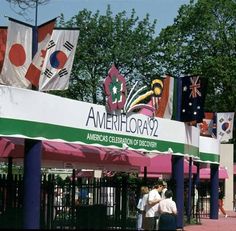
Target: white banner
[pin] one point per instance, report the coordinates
(209, 150)
(27, 113)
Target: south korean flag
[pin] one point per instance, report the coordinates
(58, 60)
(225, 124)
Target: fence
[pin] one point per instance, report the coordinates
(201, 202)
(81, 203)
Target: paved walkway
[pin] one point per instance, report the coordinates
(222, 224)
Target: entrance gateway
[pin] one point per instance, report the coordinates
(63, 121)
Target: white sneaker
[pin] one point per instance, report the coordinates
(226, 215)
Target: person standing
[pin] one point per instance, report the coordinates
(168, 212)
(221, 202)
(141, 207)
(164, 189)
(154, 197)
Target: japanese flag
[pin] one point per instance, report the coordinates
(3, 41)
(58, 60)
(18, 55)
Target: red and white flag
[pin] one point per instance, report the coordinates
(3, 41)
(225, 124)
(166, 101)
(208, 125)
(58, 60)
(18, 55)
(44, 36)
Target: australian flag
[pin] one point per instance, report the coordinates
(192, 100)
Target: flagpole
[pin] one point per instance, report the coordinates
(32, 164)
(36, 13)
(178, 164)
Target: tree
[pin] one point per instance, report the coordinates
(129, 43)
(25, 5)
(202, 41)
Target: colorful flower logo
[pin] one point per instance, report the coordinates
(115, 89)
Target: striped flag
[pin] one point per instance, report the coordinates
(58, 60)
(44, 36)
(18, 54)
(225, 124)
(167, 100)
(3, 41)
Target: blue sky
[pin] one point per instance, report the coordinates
(163, 10)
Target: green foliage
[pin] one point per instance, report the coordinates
(15, 168)
(202, 41)
(59, 181)
(127, 42)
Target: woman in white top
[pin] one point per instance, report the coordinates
(168, 211)
(141, 207)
